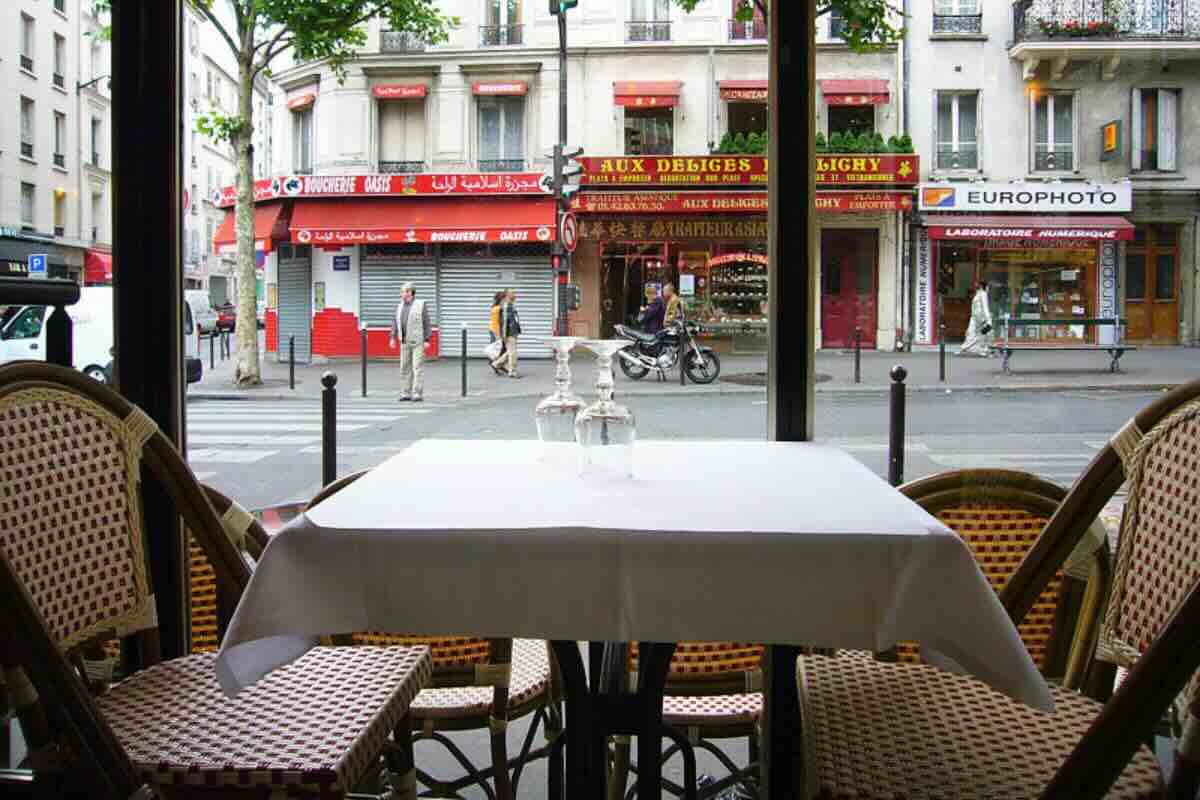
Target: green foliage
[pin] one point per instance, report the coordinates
(753, 143)
(868, 22)
(864, 144)
(837, 142)
(821, 145)
(877, 144)
(221, 127)
(739, 143)
(904, 144)
(726, 145)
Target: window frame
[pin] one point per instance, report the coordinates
(669, 113)
(60, 56)
(301, 118)
(956, 125)
(29, 219)
(28, 126)
(59, 133)
(505, 103)
(1169, 132)
(655, 8)
(1049, 96)
(29, 41)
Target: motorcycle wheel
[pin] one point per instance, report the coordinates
(632, 371)
(703, 368)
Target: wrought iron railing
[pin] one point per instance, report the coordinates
(303, 170)
(60, 230)
(60, 160)
(958, 23)
(747, 31)
(1066, 20)
(27, 149)
(501, 164)
(501, 35)
(402, 166)
(56, 292)
(95, 159)
(59, 80)
(401, 42)
(26, 63)
(1059, 160)
(966, 157)
(648, 31)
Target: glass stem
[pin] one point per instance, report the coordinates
(562, 376)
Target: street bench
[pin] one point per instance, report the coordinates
(1114, 350)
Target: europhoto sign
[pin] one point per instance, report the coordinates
(1061, 197)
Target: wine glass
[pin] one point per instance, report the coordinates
(605, 430)
(555, 415)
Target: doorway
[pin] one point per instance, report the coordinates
(849, 278)
(1152, 285)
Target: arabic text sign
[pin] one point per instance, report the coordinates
(337, 238)
(435, 184)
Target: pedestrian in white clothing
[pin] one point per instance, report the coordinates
(978, 341)
(412, 329)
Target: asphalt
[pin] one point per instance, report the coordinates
(1146, 369)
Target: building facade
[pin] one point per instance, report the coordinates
(1055, 166)
(55, 183)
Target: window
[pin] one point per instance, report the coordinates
(60, 213)
(851, 120)
(501, 134)
(97, 220)
(195, 198)
(649, 21)
(28, 325)
(95, 142)
(208, 235)
(401, 136)
(1053, 132)
(1154, 141)
(60, 6)
(502, 26)
(27, 131)
(649, 132)
(302, 136)
(956, 131)
(28, 192)
(60, 139)
(747, 118)
(957, 16)
(193, 245)
(60, 61)
(836, 24)
(27, 34)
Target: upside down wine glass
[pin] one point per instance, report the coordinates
(555, 415)
(605, 430)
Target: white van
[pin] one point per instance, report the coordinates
(24, 337)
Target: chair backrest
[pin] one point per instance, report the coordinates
(1000, 514)
(709, 667)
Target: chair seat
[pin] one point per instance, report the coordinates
(877, 730)
(712, 709)
(530, 677)
(316, 724)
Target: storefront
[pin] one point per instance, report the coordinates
(16, 248)
(1055, 263)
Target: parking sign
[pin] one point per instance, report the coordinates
(37, 265)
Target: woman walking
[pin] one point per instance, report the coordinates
(494, 328)
(510, 329)
(976, 342)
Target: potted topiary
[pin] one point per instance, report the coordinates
(752, 145)
(877, 144)
(864, 143)
(837, 143)
(739, 143)
(821, 145)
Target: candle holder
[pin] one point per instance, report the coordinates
(605, 429)
(555, 415)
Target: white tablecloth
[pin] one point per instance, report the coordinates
(782, 543)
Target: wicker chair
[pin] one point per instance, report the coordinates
(478, 684)
(73, 573)
(876, 730)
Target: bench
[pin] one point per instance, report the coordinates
(1114, 350)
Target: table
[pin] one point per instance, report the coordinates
(785, 543)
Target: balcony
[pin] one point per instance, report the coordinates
(27, 63)
(401, 167)
(60, 160)
(60, 231)
(400, 42)
(1058, 161)
(501, 164)
(958, 24)
(501, 35)
(27, 149)
(59, 80)
(966, 157)
(751, 31)
(648, 31)
(1105, 30)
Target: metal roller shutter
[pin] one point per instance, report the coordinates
(295, 301)
(379, 285)
(466, 289)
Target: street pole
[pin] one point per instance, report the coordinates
(560, 257)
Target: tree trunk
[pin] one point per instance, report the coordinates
(247, 370)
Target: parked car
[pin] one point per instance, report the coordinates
(24, 335)
(193, 366)
(226, 317)
(202, 309)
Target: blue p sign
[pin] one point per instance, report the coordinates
(37, 265)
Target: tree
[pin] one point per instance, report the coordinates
(868, 22)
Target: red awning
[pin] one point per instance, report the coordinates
(335, 223)
(1075, 230)
(840, 92)
(97, 267)
(269, 224)
(399, 91)
(754, 91)
(301, 102)
(500, 88)
(646, 94)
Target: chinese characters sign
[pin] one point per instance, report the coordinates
(614, 228)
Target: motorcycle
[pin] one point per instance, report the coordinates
(660, 352)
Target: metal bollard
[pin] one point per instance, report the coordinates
(942, 352)
(328, 428)
(212, 358)
(292, 362)
(896, 427)
(858, 355)
(363, 339)
(464, 359)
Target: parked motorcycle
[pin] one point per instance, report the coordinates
(660, 352)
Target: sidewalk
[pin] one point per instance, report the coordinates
(1147, 368)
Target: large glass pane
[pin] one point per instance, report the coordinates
(490, 131)
(1135, 276)
(1164, 277)
(514, 127)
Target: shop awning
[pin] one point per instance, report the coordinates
(752, 91)
(860, 92)
(500, 88)
(336, 223)
(301, 102)
(646, 94)
(399, 91)
(97, 267)
(269, 224)
(1047, 228)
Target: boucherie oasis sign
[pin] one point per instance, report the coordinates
(397, 185)
(714, 171)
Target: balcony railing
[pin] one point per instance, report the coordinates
(27, 63)
(59, 80)
(95, 159)
(60, 160)
(95, 234)
(501, 164)
(747, 31)
(966, 157)
(1105, 20)
(27, 149)
(400, 42)
(648, 31)
(303, 170)
(501, 35)
(401, 166)
(1059, 160)
(958, 23)
(60, 230)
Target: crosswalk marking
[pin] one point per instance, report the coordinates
(250, 439)
(213, 456)
(203, 476)
(314, 427)
(352, 450)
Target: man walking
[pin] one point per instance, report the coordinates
(412, 329)
(510, 329)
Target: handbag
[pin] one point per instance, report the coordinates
(492, 349)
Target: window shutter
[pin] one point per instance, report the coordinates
(1168, 111)
(1135, 131)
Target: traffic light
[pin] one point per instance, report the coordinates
(567, 170)
(561, 6)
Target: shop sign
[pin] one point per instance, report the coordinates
(856, 169)
(738, 258)
(1031, 237)
(670, 202)
(399, 91)
(1106, 290)
(301, 102)
(743, 170)
(744, 95)
(503, 88)
(852, 202)
(542, 233)
(341, 263)
(1110, 141)
(432, 184)
(923, 329)
(1066, 197)
(635, 229)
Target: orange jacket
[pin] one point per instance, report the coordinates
(494, 322)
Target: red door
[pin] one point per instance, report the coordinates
(849, 274)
